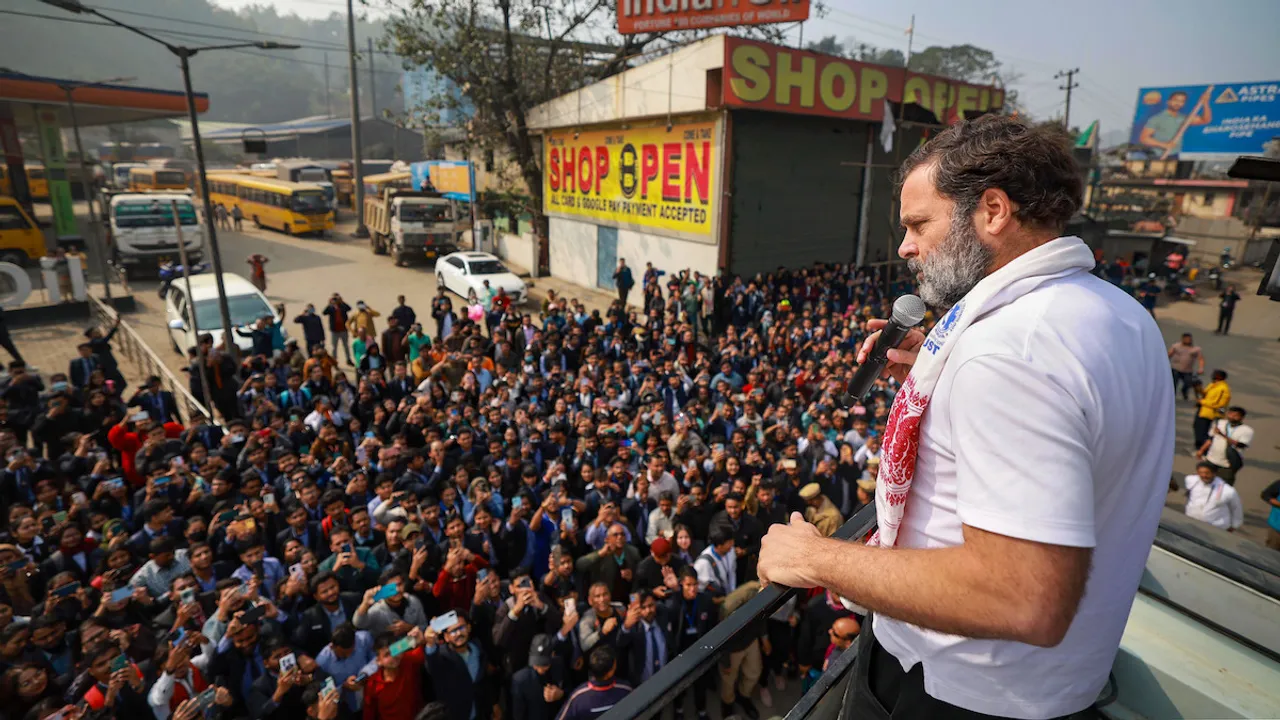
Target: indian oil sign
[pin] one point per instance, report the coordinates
(644, 177)
(647, 16)
(761, 76)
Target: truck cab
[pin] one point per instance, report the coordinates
(142, 232)
(409, 224)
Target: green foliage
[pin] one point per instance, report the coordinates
(961, 62)
(507, 56)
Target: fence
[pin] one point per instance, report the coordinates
(649, 699)
(134, 349)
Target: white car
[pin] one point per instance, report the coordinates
(245, 303)
(464, 271)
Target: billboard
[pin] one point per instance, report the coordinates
(1206, 122)
(451, 178)
(643, 177)
(650, 16)
(761, 76)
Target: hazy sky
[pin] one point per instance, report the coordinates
(1118, 45)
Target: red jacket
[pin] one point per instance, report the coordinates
(458, 594)
(129, 443)
(399, 699)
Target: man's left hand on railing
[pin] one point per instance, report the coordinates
(784, 552)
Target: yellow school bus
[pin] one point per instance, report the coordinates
(37, 182)
(148, 178)
(294, 208)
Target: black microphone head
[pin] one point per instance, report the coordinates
(908, 310)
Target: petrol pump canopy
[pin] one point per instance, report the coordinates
(95, 104)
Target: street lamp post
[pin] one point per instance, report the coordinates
(184, 54)
(95, 229)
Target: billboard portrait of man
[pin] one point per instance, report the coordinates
(1164, 129)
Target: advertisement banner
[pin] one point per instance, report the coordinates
(1205, 122)
(650, 16)
(451, 178)
(648, 178)
(761, 76)
(55, 167)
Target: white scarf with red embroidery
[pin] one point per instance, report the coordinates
(1055, 259)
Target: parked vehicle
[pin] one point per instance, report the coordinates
(306, 171)
(150, 178)
(173, 272)
(120, 173)
(245, 302)
(21, 239)
(410, 224)
(141, 233)
(464, 271)
(292, 208)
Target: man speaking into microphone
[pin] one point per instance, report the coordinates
(1026, 456)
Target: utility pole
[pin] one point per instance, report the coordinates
(1070, 76)
(328, 109)
(86, 181)
(357, 175)
(373, 83)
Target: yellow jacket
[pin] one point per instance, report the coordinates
(1217, 396)
(363, 320)
(826, 517)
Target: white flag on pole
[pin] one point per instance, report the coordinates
(887, 128)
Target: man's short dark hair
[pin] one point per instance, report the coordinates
(601, 662)
(161, 545)
(344, 636)
(1176, 93)
(1219, 374)
(153, 508)
(1237, 409)
(720, 536)
(321, 578)
(1206, 464)
(1032, 164)
(383, 641)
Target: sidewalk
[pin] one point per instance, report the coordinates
(49, 349)
(592, 298)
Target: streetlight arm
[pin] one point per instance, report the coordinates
(172, 48)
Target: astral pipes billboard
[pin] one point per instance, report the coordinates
(1207, 122)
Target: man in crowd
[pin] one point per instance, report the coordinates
(1213, 401)
(1229, 437)
(1187, 360)
(1212, 500)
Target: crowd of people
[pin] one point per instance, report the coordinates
(512, 514)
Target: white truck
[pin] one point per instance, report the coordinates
(141, 231)
(408, 224)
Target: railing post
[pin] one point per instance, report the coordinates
(147, 362)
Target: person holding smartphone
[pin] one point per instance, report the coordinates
(394, 690)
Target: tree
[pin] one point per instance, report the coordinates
(507, 56)
(828, 45)
(960, 62)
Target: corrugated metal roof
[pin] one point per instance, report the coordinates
(286, 129)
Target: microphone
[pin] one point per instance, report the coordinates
(908, 311)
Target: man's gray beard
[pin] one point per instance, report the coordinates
(954, 267)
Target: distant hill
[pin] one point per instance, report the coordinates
(243, 85)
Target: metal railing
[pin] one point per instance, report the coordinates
(135, 349)
(649, 699)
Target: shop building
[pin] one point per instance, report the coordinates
(735, 154)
